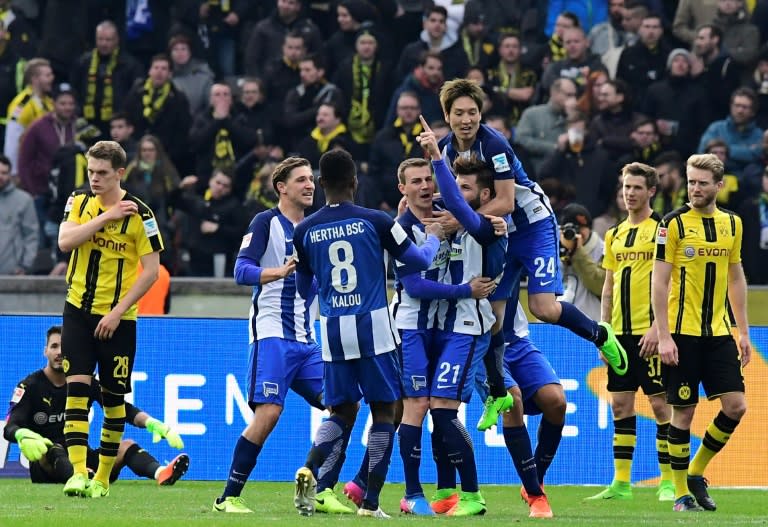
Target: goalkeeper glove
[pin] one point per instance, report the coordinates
(32, 445)
(159, 430)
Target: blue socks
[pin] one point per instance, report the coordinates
(574, 320)
(519, 446)
(548, 440)
(446, 473)
(328, 473)
(243, 461)
(409, 437)
(381, 437)
(330, 433)
(493, 362)
(457, 446)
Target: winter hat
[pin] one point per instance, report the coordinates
(678, 51)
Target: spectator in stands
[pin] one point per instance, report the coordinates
(121, 130)
(679, 105)
(30, 104)
(588, 14)
(151, 177)
(20, 34)
(479, 47)
(63, 34)
(302, 101)
(759, 83)
(393, 144)
(690, 16)
(754, 248)
(578, 63)
(9, 66)
(582, 165)
(645, 143)
(147, 24)
(513, 84)
(214, 224)
(352, 17)
(715, 68)
(266, 44)
(154, 106)
(38, 146)
(253, 112)
(103, 76)
(221, 22)
(587, 102)
(365, 81)
(18, 225)
(672, 191)
(609, 34)
(542, 129)
(434, 38)
(425, 81)
(614, 122)
(739, 131)
(615, 213)
(217, 138)
(751, 179)
(729, 196)
(645, 61)
(740, 37)
(282, 75)
(328, 133)
(191, 76)
(556, 43)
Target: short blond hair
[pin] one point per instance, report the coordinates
(109, 151)
(709, 162)
(456, 88)
(413, 162)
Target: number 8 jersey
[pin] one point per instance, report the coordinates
(344, 246)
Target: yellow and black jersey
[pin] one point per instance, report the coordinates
(629, 253)
(105, 267)
(27, 107)
(700, 249)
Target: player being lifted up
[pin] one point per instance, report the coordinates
(533, 237)
(344, 247)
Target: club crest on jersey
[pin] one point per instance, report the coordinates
(500, 163)
(419, 382)
(271, 388)
(661, 238)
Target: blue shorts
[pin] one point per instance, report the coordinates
(417, 352)
(527, 367)
(536, 249)
(376, 378)
(455, 366)
(277, 364)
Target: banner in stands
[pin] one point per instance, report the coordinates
(191, 373)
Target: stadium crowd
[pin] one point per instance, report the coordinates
(206, 97)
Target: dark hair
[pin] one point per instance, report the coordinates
(5, 161)
(749, 93)
(505, 36)
(120, 116)
(714, 31)
(316, 59)
(338, 111)
(109, 151)
(426, 55)
(161, 57)
(643, 121)
(572, 17)
(283, 170)
(712, 143)
(622, 88)
(53, 330)
(436, 9)
(295, 33)
(472, 166)
(337, 171)
(456, 88)
(641, 169)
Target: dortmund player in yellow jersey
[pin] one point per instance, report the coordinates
(628, 261)
(696, 272)
(108, 231)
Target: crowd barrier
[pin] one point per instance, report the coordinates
(191, 373)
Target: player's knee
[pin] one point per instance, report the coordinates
(544, 307)
(348, 412)
(268, 413)
(736, 410)
(415, 407)
(661, 409)
(125, 444)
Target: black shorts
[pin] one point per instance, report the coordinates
(712, 361)
(641, 373)
(82, 351)
(37, 474)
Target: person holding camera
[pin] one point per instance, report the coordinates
(581, 254)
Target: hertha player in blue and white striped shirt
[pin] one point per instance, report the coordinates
(345, 248)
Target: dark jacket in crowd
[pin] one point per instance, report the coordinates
(455, 63)
(387, 152)
(640, 67)
(612, 131)
(266, 42)
(202, 141)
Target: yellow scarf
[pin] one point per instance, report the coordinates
(408, 140)
(107, 96)
(556, 48)
(223, 152)
(153, 102)
(324, 141)
(361, 125)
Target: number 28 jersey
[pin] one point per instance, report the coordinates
(344, 246)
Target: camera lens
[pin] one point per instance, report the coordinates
(569, 231)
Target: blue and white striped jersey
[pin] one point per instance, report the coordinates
(344, 246)
(410, 312)
(277, 310)
(531, 204)
(475, 251)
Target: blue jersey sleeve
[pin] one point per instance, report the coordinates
(501, 158)
(419, 287)
(247, 266)
(396, 241)
(475, 224)
(306, 285)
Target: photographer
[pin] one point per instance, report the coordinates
(581, 251)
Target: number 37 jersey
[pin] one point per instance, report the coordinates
(344, 246)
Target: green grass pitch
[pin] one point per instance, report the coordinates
(188, 504)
